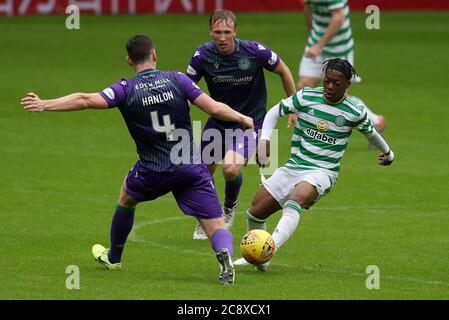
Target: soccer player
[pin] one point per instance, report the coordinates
(154, 105)
(326, 119)
(330, 36)
(234, 72)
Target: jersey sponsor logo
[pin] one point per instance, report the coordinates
(322, 125)
(340, 121)
(261, 47)
(191, 70)
(109, 93)
(152, 85)
(273, 59)
(244, 63)
(320, 136)
(231, 79)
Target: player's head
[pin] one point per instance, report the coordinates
(140, 50)
(223, 26)
(337, 78)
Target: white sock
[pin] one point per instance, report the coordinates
(254, 223)
(287, 224)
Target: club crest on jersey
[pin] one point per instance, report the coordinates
(322, 125)
(244, 63)
(340, 121)
(216, 64)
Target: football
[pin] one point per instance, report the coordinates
(257, 246)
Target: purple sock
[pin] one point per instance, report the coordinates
(222, 238)
(121, 226)
(232, 191)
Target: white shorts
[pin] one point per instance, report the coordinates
(282, 182)
(313, 68)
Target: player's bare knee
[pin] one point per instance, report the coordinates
(231, 171)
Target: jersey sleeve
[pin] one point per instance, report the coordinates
(335, 4)
(290, 105)
(194, 69)
(268, 58)
(190, 89)
(116, 94)
(364, 125)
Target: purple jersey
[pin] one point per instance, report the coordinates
(236, 79)
(154, 106)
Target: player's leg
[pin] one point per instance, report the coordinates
(263, 206)
(212, 152)
(197, 197)
(233, 164)
(310, 186)
(302, 196)
(121, 226)
(240, 146)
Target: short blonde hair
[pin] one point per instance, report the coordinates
(222, 15)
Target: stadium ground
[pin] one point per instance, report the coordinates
(61, 172)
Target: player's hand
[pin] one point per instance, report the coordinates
(247, 122)
(384, 160)
(314, 51)
(32, 103)
(292, 118)
(263, 153)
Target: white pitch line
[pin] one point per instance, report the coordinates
(134, 237)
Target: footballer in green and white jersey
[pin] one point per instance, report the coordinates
(330, 36)
(341, 44)
(321, 134)
(327, 117)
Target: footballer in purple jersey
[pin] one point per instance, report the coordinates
(234, 73)
(154, 105)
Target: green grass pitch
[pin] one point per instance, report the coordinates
(60, 172)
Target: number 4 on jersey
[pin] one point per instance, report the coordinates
(166, 128)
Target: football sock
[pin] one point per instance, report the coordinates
(221, 239)
(287, 224)
(121, 226)
(232, 190)
(255, 223)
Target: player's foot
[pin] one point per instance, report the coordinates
(380, 127)
(199, 233)
(100, 254)
(227, 274)
(229, 215)
(243, 262)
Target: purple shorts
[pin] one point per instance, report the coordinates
(191, 186)
(216, 142)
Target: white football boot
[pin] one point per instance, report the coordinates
(199, 233)
(243, 262)
(229, 215)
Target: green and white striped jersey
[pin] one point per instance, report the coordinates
(321, 134)
(342, 43)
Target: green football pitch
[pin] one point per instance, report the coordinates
(61, 172)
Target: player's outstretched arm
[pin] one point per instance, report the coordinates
(71, 102)
(222, 111)
(289, 86)
(269, 123)
(387, 156)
